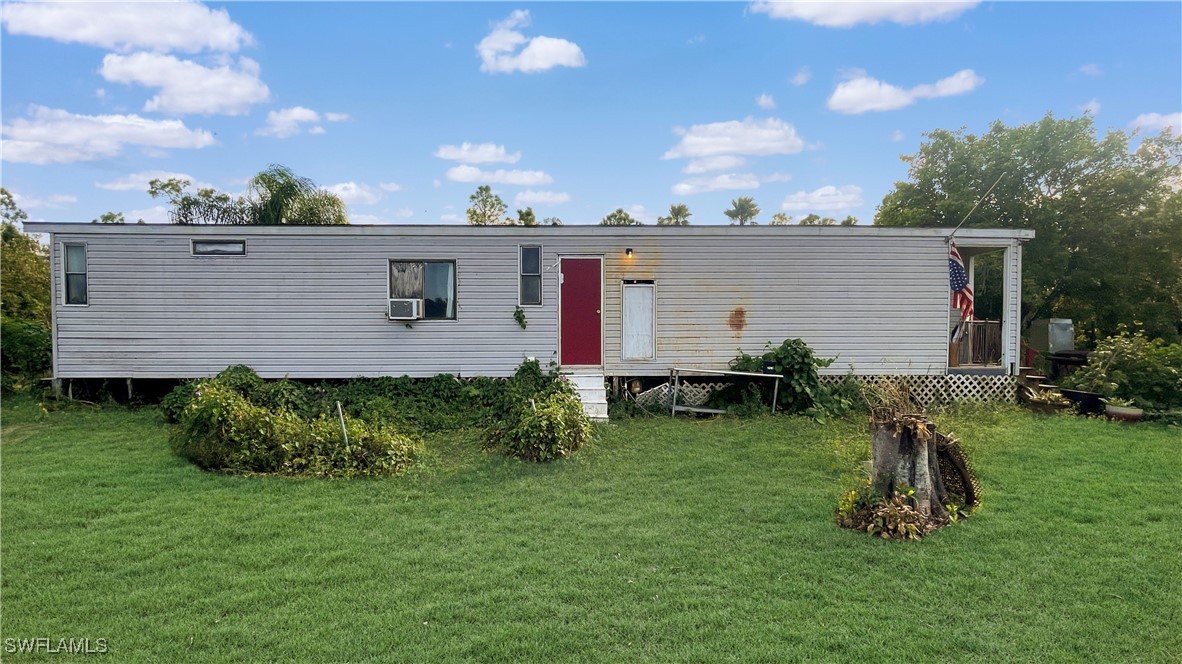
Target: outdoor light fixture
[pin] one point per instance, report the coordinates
(628, 252)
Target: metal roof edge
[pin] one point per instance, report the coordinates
(385, 230)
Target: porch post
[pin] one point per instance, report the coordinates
(1011, 325)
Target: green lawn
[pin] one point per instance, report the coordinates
(663, 540)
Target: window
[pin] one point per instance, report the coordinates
(433, 282)
(530, 267)
(219, 247)
(75, 273)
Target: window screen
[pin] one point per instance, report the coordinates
(531, 276)
(75, 273)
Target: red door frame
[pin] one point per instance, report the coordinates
(598, 308)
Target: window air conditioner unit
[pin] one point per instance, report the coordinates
(405, 309)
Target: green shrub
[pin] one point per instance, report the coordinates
(1132, 366)
(242, 379)
(221, 429)
(551, 426)
(800, 391)
(287, 394)
(372, 449)
(174, 403)
(26, 348)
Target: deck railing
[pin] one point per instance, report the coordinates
(981, 344)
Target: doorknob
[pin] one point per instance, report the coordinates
(597, 311)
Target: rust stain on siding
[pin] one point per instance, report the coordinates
(737, 321)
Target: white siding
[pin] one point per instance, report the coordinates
(311, 302)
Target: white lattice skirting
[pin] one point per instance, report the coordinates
(927, 390)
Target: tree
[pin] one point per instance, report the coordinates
(850, 220)
(8, 208)
(1108, 245)
(526, 217)
(110, 218)
(743, 211)
(24, 270)
(275, 196)
(486, 209)
(679, 215)
(552, 221)
(780, 219)
(817, 220)
(619, 218)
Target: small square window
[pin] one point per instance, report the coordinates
(530, 273)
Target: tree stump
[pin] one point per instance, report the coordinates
(904, 453)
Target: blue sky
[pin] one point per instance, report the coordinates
(575, 109)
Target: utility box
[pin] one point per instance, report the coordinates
(1052, 335)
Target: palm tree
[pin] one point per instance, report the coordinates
(278, 196)
(743, 211)
(679, 215)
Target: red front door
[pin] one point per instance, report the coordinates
(580, 311)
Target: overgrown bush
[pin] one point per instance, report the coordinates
(1129, 365)
(26, 349)
(800, 390)
(372, 449)
(175, 402)
(888, 517)
(221, 428)
(551, 425)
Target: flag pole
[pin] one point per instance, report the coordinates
(975, 206)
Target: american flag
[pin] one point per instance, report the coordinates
(958, 281)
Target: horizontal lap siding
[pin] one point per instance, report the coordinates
(878, 305)
(303, 307)
(313, 305)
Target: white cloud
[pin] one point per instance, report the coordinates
(289, 122)
(390, 186)
(765, 101)
(1158, 122)
(437, 183)
(862, 93)
(848, 14)
(404, 213)
(711, 164)
(477, 153)
(451, 218)
(1092, 108)
(158, 26)
(746, 137)
(157, 214)
(801, 77)
(825, 198)
(896, 136)
(506, 50)
(51, 201)
(1091, 69)
(465, 173)
(531, 197)
(778, 177)
(336, 117)
(56, 136)
(188, 87)
(716, 183)
(639, 213)
(355, 194)
(139, 180)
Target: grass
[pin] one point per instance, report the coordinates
(661, 541)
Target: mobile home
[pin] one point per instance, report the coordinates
(167, 301)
